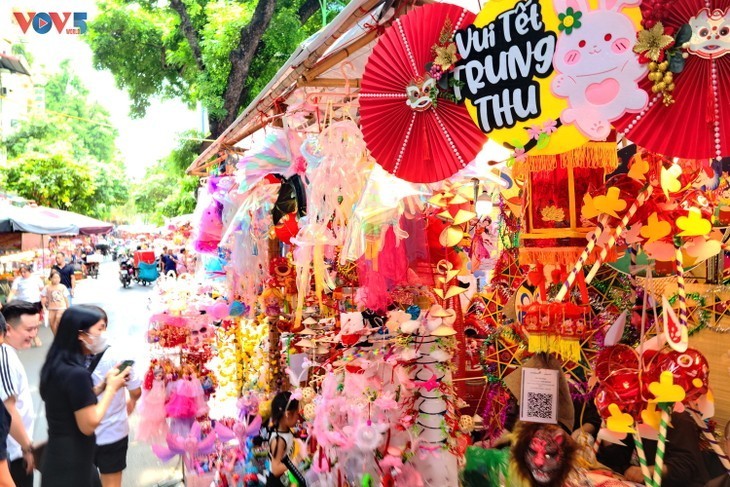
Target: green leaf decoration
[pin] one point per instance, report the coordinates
(676, 63)
(542, 141)
(683, 34)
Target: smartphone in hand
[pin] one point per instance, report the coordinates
(124, 365)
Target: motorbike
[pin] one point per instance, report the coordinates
(147, 273)
(126, 272)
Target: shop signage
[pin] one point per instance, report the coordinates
(549, 75)
(502, 61)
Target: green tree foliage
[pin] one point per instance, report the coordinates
(165, 190)
(53, 180)
(67, 159)
(217, 52)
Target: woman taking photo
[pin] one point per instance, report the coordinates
(71, 406)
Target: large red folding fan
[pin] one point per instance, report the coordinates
(697, 124)
(430, 142)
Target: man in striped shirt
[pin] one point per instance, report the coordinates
(23, 322)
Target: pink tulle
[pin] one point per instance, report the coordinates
(392, 260)
(373, 292)
(152, 426)
(187, 400)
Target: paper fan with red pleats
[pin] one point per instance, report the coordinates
(697, 124)
(431, 141)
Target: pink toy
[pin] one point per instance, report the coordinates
(187, 399)
(152, 423)
(598, 71)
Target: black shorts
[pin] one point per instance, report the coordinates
(112, 458)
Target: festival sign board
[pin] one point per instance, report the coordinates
(549, 75)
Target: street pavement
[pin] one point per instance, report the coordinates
(128, 317)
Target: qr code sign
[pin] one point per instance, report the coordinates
(539, 405)
(539, 395)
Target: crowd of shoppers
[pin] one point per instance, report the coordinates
(83, 390)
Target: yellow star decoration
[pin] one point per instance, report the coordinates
(651, 42)
(445, 56)
(655, 228)
(666, 390)
(610, 203)
(693, 224)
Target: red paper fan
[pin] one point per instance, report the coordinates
(697, 125)
(429, 143)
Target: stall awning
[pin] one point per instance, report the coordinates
(85, 224)
(49, 221)
(26, 219)
(12, 64)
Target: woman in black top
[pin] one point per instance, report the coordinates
(71, 406)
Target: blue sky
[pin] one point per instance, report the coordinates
(141, 141)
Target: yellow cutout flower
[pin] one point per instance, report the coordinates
(610, 203)
(619, 422)
(666, 390)
(693, 224)
(655, 228)
(552, 214)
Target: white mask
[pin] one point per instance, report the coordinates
(98, 343)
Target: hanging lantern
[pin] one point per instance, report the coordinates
(555, 185)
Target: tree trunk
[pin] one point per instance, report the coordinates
(237, 93)
(186, 25)
(241, 57)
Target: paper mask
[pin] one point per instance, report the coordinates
(710, 33)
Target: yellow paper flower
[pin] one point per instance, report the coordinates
(552, 214)
(652, 42)
(445, 56)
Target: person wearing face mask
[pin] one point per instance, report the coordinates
(72, 408)
(112, 435)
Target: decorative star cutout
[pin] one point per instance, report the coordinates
(669, 179)
(693, 224)
(650, 416)
(638, 169)
(655, 228)
(589, 209)
(619, 422)
(632, 235)
(701, 248)
(666, 390)
(610, 203)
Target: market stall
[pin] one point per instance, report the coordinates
(438, 219)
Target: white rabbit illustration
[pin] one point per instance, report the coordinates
(597, 70)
